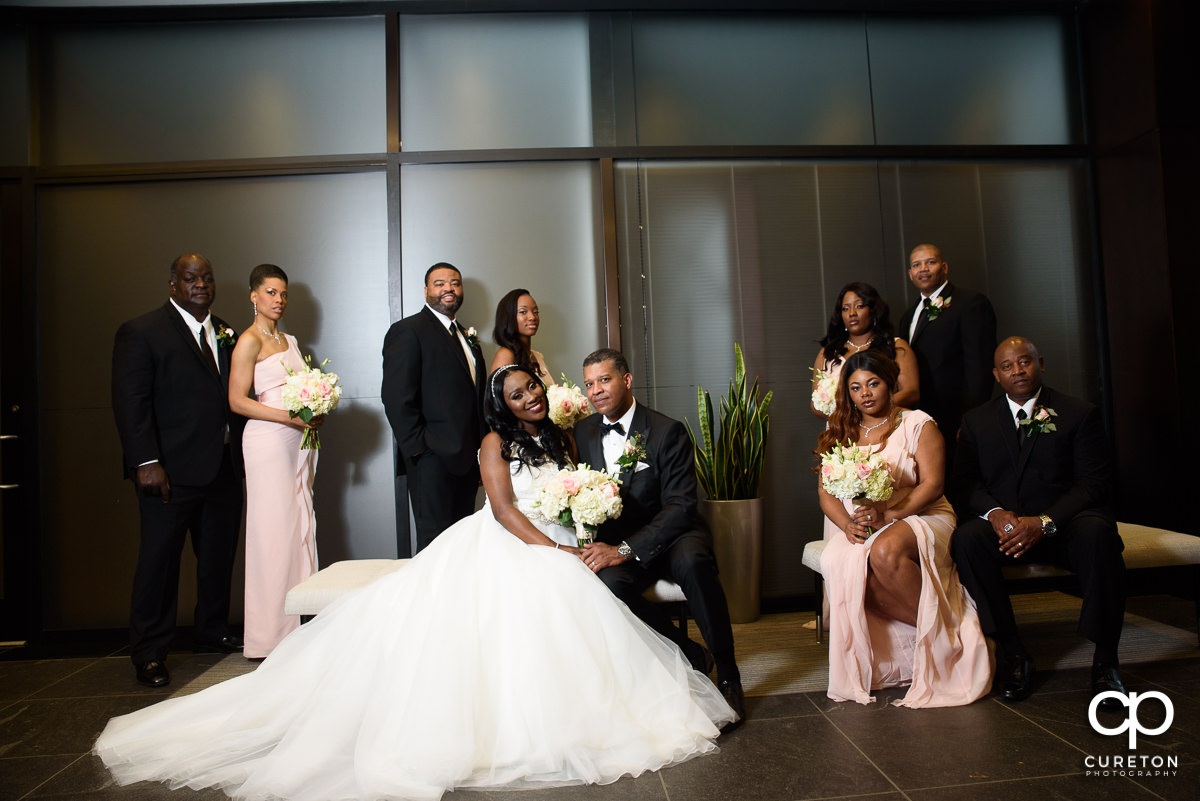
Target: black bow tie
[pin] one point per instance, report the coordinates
(606, 427)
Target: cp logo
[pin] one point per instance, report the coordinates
(1131, 723)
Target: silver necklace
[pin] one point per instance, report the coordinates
(857, 348)
(274, 336)
(869, 429)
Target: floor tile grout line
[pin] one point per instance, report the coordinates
(51, 777)
(854, 745)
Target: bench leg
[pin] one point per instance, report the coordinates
(819, 588)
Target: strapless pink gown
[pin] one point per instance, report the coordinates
(281, 545)
(944, 658)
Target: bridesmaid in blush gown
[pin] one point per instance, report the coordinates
(898, 614)
(517, 320)
(281, 547)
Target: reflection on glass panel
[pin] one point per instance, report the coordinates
(329, 233)
(215, 90)
(751, 81)
(14, 98)
(534, 226)
(973, 81)
(494, 81)
(712, 252)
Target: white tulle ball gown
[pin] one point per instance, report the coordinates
(485, 662)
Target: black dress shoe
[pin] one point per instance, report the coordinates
(1015, 676)
(228, 644)
(732, 692)
(1106, 678)
(152, 674)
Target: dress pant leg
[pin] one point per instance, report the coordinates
(1090, 546)
(976, 552)
(692, 565)
(439, 498)
(215, 543)
(628, 581)
(155, 598)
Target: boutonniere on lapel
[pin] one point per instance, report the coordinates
(936, 307)
(1040, 421)
(472, 337)
(635, 451)
(225, 336)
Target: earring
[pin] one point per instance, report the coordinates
(254, 303)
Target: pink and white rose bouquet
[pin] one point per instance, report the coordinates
(580, 498)
(568, 404)
(824, 395)
(853, 473)
(309, 393)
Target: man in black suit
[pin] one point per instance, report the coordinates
(1032, 480)
(170, 394)
(659, 534)
(433, 376)
(952, 332)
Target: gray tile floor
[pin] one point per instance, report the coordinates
(800, 746)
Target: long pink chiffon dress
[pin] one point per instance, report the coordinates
(944, 658)
(281, 546)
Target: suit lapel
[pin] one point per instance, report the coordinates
(923, 320)
(189, 339)
(639, 425)
(1027, 450)
(441, 334)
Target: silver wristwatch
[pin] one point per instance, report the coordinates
(625, 551)
(1048, 527)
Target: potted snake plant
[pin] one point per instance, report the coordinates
(729, 467)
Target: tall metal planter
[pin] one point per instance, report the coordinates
(737, 528)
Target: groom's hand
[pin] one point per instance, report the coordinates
(152, 479)
(599, 555)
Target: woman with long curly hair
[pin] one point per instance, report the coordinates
(898, 614)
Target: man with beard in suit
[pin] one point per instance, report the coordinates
(182, 448)
(1032, 480)
(433, 375)
(659, 533)
(952, 332)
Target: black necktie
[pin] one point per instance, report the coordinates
(207, 350)
(1021, 432)
(606, 427)
(925, 304)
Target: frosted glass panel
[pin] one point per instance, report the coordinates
(973, 81)
(179, 92)
(14, 97)
(751, 81)
(712, 252)
(328, 232)
(494, 81)
(535, 226)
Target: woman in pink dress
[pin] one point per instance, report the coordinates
(281, 546)
(898, 614)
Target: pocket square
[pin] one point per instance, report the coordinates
(640, 466)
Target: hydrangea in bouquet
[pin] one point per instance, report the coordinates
(309, 393)
(849, 472)
(568, 404)
(579, 498)
(824, 396)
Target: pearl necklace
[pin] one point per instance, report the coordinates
(274, 336)
(857, 348)
(869, 429)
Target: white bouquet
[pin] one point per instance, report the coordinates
(568, 405)
(824, 396)
(849, 472)
(310, 393)
(578, 497)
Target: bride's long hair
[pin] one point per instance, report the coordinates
(517, 444)
(846, 418)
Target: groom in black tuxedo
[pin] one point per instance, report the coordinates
(1032, 483)
(952, 332)
(659, 534)
(433, 376)
(182, 448)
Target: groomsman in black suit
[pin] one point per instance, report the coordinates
(433, 376)
(1032, 482)
(952, 332)
(659, 534)
(170, 395)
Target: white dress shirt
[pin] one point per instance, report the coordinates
(614, 443)
(462, 338)
(912, 327)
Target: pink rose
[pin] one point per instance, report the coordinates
(570, 484)
(305, 394)
(863, 470)
(826, 469)
(610, 491)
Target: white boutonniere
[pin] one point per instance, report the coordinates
(936, 307)
(1040, 421)
(225, 336)
(472, 337)
(634, 452)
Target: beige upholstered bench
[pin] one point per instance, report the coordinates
(1145, 547)
(311, 596)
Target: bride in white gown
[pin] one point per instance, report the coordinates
(495, 658)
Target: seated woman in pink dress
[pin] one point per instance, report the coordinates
(281, 529)
(898, 614)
